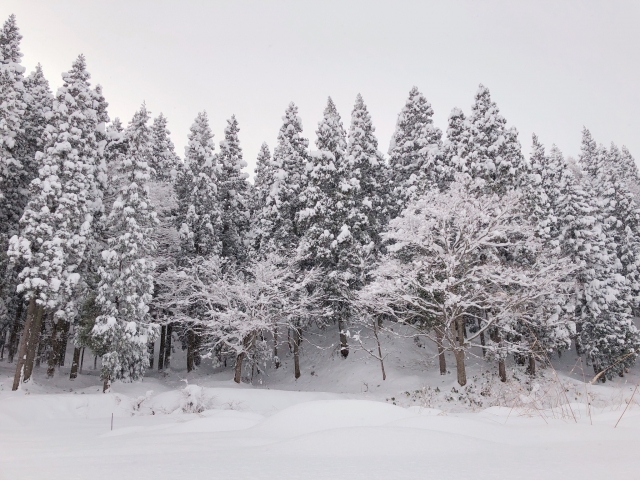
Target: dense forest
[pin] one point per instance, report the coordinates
(110, 241)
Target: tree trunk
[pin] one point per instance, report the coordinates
(54, 348)
(106, 385)
(375, 333)
(95, 362)
(15, 328)
(502, 370)
(296, 351)
(483, 343)
(441, 358)
(82, 359)
(64, 339)
(190, 349)
(151, 350)
(163, 334)
(24, 343)
(42, 341)
(275, 348)
(197, 344)
(344, 346)
(459, 353)
(238, 370)
(167, 352)
(34, 341)
(532, 365)
(75, 364)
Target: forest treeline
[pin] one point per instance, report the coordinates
(110, 240)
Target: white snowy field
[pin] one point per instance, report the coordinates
(344, 426)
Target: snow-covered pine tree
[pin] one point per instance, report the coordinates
(495, 154)
(415, 149)
(364, 180)
(325, 216)
(199, 214)
(629, 168)
(605, 331)
(165, 161)
(290, 159)
(233, 194)
(455, 150)
(199, 217)
(38, 101)
(13, 176)
(56, 226)
(122, 330)
(263, 181)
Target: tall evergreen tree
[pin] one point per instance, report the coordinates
(233, 194)
(325, 218)
(13, 175)
(199, 217)
(456, 149)
(165, 162)
(56, 226)
(605, 331)
(415, 149)
(290, 159)
(262, 200)
(122, 330)
(495, 154)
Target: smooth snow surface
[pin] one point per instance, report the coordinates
(339, 420)
(245, 433)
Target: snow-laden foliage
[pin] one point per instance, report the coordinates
(236, 310)
(494, 154)
(415, 149)
(122, 330)
(164, 163)
(56, 226)
(279, 221)
(106, 230)
(233, 194)
(199, 216)
(447, 266)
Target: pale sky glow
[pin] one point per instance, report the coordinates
(552, 66)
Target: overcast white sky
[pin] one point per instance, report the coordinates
(552, 66)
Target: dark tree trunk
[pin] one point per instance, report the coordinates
(34, 341)
(163, 334)
(275, 348)
(483, 343)
(197, 344)
(344, 346)
(151, 350)
(459, 353)
(106, 385)
(441, 358)
(82, 359)
(54, 348)
(24, 343)
(75, 364)
(296, 351)
(238, 369)
(531, 370)
(42, 342)
(64, 339)
(375, 333)
(95, 362)
(167, 352)
(15, 329)
(502, 370)
(191, 341)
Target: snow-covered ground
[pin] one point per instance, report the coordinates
(341, 422)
